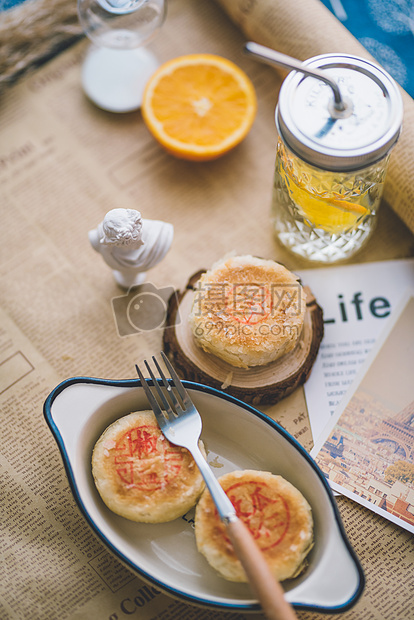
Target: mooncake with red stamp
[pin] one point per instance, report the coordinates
(247, 311)
(140, 475)
(277, 515)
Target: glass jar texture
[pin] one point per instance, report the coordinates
(322, 215)
(332, 156)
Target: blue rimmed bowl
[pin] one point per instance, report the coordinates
(236, 436)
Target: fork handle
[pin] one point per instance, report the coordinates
(267, 589)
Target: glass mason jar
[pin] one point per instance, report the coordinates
(331, 164)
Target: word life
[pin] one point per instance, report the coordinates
(358, 308)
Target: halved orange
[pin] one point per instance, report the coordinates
(199, 106)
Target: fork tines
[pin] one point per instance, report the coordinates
(171, 404)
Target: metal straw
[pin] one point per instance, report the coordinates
(271, 57)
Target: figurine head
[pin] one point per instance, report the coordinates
(122, 227)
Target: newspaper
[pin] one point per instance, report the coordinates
(367, 449)
(63, 165)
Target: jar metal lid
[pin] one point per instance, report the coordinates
(357, 137)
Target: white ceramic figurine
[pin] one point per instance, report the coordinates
(131, 245)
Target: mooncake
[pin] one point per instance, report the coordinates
(277, 515)
(140, 475)
(247, 311)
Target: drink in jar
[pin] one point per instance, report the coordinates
(331, 166)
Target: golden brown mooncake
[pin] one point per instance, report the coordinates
(247, 311)
(140, 475)
(277, 515)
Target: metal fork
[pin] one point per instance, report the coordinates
(181, 424)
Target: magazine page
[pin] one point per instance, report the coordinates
(357, 301)
(367, 453)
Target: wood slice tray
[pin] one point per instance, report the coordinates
(258, 385)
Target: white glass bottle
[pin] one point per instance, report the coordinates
(118, 65)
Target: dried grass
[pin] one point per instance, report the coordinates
(33, 32)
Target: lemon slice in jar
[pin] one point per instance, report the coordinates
(332, 214)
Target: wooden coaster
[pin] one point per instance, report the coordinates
(257, 385)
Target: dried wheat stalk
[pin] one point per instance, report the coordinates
(32, 32)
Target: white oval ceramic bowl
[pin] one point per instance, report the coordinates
(237, 436)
